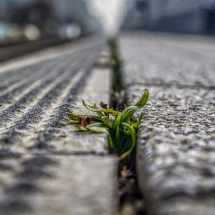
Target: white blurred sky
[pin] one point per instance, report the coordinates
(109, 12)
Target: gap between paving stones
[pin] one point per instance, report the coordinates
(130, 198)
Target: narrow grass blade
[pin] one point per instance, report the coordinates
(106, 121)
(133, 140)
(128, 113)
(100, 110)
(143, 99)
(80, 128)
(72, 122)
(136, 122)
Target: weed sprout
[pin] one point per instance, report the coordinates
(120, 127)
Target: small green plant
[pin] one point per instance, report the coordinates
(121, 127)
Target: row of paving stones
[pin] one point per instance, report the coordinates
(46, 167)
(176, 138)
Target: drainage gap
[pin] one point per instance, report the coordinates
(131, 202)
(117, 93)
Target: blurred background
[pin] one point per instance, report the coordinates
(34, 19)
(38, 19)
(186, 16)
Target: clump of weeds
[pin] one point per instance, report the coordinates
(120, 126)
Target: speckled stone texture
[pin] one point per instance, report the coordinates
(46, 167)
(176, 138)
(51, 184)
(168, 59)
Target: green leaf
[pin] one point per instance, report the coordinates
(126, 146)
(100, 114)
(80, 128)
(106, 121)
(116, 122)
(75, 117)
(143, 99)
(101, 110)
(72, 122)
(72, 115)
(97, 124)
(126, 131)
(128, 113)
(133, 140)
(136, 122)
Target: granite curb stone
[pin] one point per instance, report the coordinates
(176, 138)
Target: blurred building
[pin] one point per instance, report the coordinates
(192, 16)
(66, 17)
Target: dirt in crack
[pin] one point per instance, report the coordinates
(131, 202)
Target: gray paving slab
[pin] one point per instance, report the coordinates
(176, 150)
(151, 59)
(45, 185)
(48, 132)
(176, 138)
(33, 112)
(46, 167)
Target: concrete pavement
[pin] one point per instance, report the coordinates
(176, 138)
